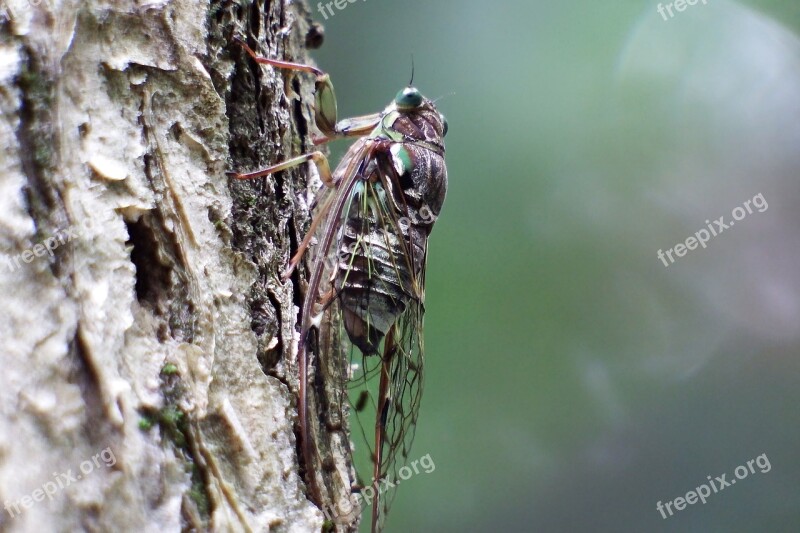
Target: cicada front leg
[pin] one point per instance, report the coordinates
(325, 107)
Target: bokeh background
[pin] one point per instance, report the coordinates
(573, 381)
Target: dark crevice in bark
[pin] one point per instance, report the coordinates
(299, 119)
(255, 18)
(162, 282)
(152, 276)
(315, 36)
(271, 357)
(38, 149)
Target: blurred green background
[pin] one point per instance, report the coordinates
(572, 380)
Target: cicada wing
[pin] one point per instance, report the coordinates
(390, 417)
(322, 405)
(397, 419)
(376, 256)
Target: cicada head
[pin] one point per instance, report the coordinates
(417, 117)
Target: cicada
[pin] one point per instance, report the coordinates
(369, 238)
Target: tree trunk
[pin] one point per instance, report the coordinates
(149, 363)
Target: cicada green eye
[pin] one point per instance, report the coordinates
(444, 124)
(407, 99)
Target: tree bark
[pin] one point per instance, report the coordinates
(149, 345)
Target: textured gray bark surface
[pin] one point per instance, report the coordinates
(148, 369)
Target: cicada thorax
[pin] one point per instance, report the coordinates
(383, 242)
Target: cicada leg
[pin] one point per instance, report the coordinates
(325, 109)
(324, 168)
(317, 157)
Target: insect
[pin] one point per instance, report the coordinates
(372, 220)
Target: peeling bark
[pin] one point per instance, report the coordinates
(149, 370)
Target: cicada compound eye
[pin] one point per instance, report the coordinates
(408, 99)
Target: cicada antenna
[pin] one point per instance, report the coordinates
(451, 93)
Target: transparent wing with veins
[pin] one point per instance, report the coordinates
(383, 390)
(392, 383)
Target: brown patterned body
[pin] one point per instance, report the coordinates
(383, 242)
